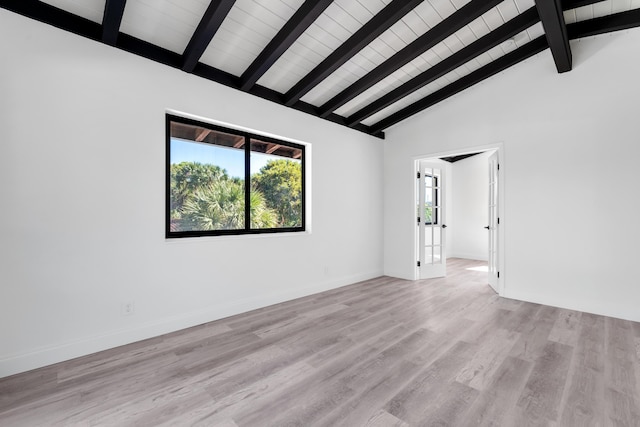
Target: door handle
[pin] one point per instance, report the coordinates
(487, 227)
(444, 225)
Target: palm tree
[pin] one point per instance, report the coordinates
(261, 215)
(220, 206)
(216, 206)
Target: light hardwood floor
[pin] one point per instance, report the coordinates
(385, 352)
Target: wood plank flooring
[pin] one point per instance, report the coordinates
(385, 352)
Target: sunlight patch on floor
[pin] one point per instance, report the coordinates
(482, 268)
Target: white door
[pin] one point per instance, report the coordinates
(494, 222)
(430, 214)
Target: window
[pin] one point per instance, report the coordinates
(224, 181)
(431, 191)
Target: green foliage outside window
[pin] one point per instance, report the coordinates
(204, 197)
(280, 181)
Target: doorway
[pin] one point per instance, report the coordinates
(445, 226)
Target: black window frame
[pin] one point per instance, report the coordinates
(248, 136)
(434, 215)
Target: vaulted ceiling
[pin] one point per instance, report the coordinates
(365, 64)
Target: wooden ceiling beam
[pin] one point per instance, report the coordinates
(239, 143)
(555, 29)
(202, 135)
(377, 25)
(288, 34)
(273, 148)
(494, 67)
(111, 20)
(445, 28)
(605, 24)
(464, 55)
(207, 28)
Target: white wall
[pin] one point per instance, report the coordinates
(471, 201)
(82, 190)
(571, 215)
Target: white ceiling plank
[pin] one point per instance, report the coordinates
(618, 6)
(453, 43)
(444, 7)
(459, 3)
(166, 23)
(360, 11)
(523, 5)
(336, 27)
(602, 8)
(493, 19)
(535, 31)
(92, 10)
(427, 14)
(249, 23)
(416, 23)
(442, 50)
(382, 48)
(479, 27)
(347, 21)
(584, 13)
(404, 29)
(570, 16)
(508, 10)
(337, 23)
(466, 36)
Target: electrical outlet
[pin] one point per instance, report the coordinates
(326, 270)
(128, 308)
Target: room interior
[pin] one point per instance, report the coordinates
(82, 164)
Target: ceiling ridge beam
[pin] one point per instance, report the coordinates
(439, 32)
(377, 25)
(288, 34)
(209, 24)
(461, 57)
(111, 20)
(555, 30)
(605, 24)
(494, 67)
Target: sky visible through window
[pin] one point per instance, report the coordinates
(230, 159)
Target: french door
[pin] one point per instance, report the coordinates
(494, 222)
(430, 212)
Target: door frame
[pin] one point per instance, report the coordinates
(499, 147)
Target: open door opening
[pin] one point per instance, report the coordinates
(474, 190)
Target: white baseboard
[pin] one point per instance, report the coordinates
(45, 356)
(616, 311)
